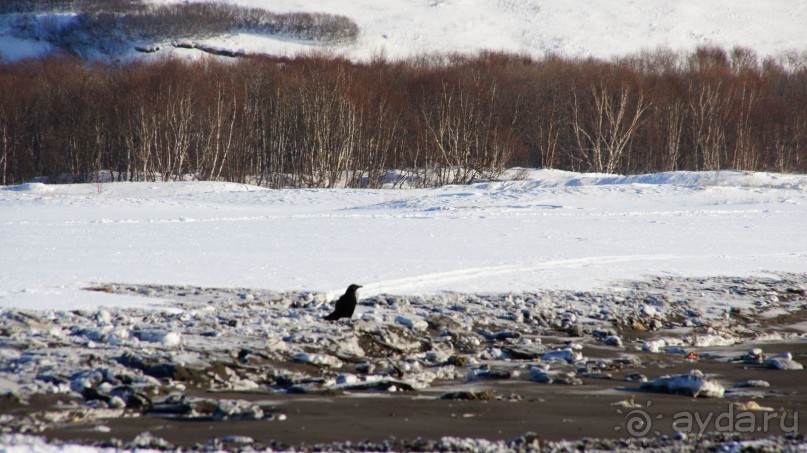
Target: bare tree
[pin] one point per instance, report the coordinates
(221, 120)
(708, 112)
(179, 116)
(468, 137)
(607, 126)
(744, 153)
(549, 130)
(674, 113)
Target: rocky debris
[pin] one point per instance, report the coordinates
(667, 345)
(752, 357)
(458, 361)
(544, 376)
(119, 397)
(756, 356)
(148, 441)
(231, 441)
(122, 360)
(627, 361)
(540, 375)
(313, 388)
(180, 406)
(758, 383)
(175, 371)
(376, 383)
(164, 337)
(485, 395)
(237, 410)
(596, 375)
(499, 336)
(525, 442)
(629, 403)
(319, 360)
(412, 323)
(568, 354)
(524, 351)
(635, 377)
(752, 406)
(694, 384)
(487, 374)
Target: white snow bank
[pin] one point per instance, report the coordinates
(549, 230)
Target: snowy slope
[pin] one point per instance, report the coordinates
(403, 28)
(550, 230)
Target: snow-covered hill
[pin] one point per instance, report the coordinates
(401, 28)
(404, 28)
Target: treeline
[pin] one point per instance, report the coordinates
(39, 6)
(99, 24)
(320, 122)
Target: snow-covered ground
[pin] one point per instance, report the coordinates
(403, 28)
(549, 230)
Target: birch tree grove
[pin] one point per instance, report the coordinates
(319, 121)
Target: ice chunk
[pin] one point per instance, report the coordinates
(412, 323)
(752, 406)
(648, 310)
(753, 383)
(237, 410)
(694, 383)
(613, 340)
(703, 341)
(171, 339)
(318, 360)
(783, 362)
(164, 337)
(653, 345)
(660, 344)
(567, 354)
(539, 375)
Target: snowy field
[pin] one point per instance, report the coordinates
(574, 28)
(130, 310)
(549, 230)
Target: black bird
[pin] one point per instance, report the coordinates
(345, 305)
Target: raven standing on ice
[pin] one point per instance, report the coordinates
(345, 305)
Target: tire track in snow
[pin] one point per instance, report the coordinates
(406, 284)
(411, 284)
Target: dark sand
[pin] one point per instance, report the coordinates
(554, 412)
